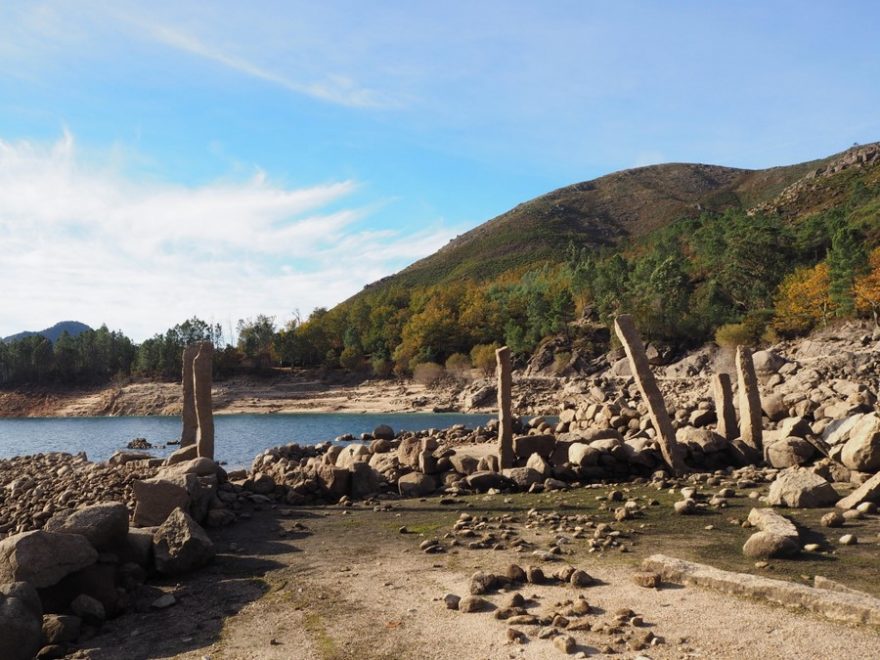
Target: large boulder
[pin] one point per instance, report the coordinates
(43, 558)
(583, 455)
(464, 464)
(21, 621)
(484, 480)
(767, 545)
(155, 499)
(104, 525)
(801, 488)
(526, 445)
(335, 481)
(862, 451)
(774, 407)
(523, 477)
(383, 432)
(352, 454)
(365, 481)
(838, 430)
(408, 452)
(767, 362)
(789, 452)
(708, 441)
(60, 628)
(180, 545)
(416, 484)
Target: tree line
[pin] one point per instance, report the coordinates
(731, 276)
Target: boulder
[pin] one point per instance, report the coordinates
(408, 452)
(43, 558)
(416, 484)
(767, 362)
(383, 432)
(789, 452)
(335, 481)
(365, 480)
(155, 499)
(799, 488)
(88, 609)
(180, 545)
(837, 431)
(583, 455)
(797, 427)
(526, 445)
(60, 628)
(774, 407)
(523, 477)
(464, 464)
(862, 450)
(707, 440)
(104, 525)
(21, 621)
(867, 492)
(483, 481)
(183, 454)
(352, 454)
(539, 465)
(767, 545)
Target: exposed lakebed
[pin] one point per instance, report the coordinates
(238, 437)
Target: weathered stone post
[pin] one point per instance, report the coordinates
(749, 399)
(722, 391)
(638, 362)
(202, 379)
(188, 416)
(505, 414)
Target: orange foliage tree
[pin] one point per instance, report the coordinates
(867, 287)
(803, 300)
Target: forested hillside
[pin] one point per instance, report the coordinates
(694, 252)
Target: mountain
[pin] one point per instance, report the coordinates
(631, 204)
(73, 328)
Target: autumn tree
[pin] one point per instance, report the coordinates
(804, 300)
(867, 288)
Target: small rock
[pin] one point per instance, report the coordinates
(164, 601)
(472, 604)
(452, 601)
(848, 539)
(565, 643)
(647, 579)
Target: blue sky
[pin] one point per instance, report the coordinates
(165, 159)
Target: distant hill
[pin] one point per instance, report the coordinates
(618, 208)
(73, 328)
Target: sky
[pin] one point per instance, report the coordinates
(165, 159)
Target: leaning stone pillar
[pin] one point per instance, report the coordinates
(638, 362)
(723, 394)
(505, 414)
(749, 399)
(202, 378)
(188, 415)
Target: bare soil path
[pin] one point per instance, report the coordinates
(332, 583)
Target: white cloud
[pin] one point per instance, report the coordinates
(83, 240)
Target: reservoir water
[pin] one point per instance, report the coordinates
(238, 438)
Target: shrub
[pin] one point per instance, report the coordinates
(350, 359)
(429, 374)
(483, 358)
(382, 368)
(458, 365)
(732, 335)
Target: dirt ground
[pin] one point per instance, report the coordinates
(284, 394)
(333, 582)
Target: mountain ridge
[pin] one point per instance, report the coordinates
(73, 328)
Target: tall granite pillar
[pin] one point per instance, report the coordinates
(505, 414)
(188, 415)
(749, 399)
(722, 391)
(202, 380)
(672, 452)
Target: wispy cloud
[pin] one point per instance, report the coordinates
(336, 89)
(81, 239)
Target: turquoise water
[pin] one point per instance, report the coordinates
(238, 437)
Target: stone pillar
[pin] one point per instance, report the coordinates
(505, 414)
(672, 452)
(202, 379)
(723, 394)
(188, 415)
(749, 399)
